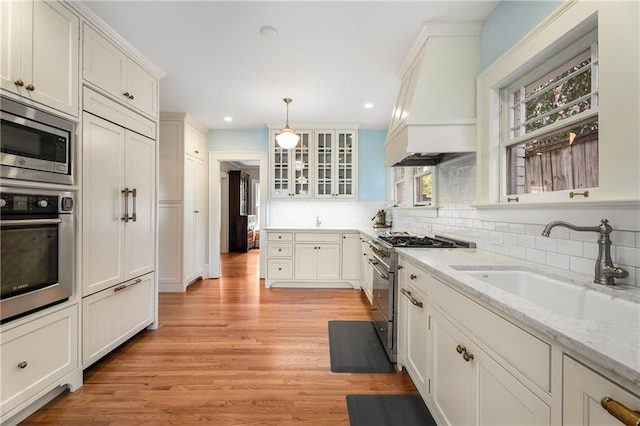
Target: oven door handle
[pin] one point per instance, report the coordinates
(413, 300)
(373, 264)
(30, 222)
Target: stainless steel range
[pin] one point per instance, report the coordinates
(385, 281)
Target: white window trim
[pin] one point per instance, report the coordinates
(409, 191)
(434, 188)
(618, 128)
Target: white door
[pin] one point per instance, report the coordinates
(140, 233)
(102, 204)
(142, 88)
(351, 257)
(305, 262)
(189, 217)
(328, 262)
(15, 32)
(103, 64)
(200, 217)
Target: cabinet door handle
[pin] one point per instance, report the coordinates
(467, 356)
(126, 286)
(197, 152)
(621, 412)
(413, 300)
(125, 218)
(460, 349)
(19, 83)
(134, 193)
(412, 277)
(30, 87)
(196, 211)
(128, 95)
(22, 365)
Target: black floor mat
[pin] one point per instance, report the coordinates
(354, 347)
(388, 410)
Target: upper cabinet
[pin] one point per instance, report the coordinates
(322, 165)
(113, 72)
(39, 53)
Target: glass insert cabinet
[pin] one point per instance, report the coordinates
(321, 166)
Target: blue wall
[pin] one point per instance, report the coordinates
(508, 23)
(372, 174)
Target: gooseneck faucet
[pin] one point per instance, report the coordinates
(605, 272)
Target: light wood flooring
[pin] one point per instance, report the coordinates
(227, 352)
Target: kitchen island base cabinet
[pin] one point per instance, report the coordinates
(112, 316)
(38, 357)
(582, 392)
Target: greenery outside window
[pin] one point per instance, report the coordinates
(550, 123)
(423, 186)
(399, 186)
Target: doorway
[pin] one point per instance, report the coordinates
(216, 214)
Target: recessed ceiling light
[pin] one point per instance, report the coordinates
(228, 119)
(368, 105)
(268, 31)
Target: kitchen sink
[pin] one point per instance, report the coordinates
(560, 297)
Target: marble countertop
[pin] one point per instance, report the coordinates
(614, 346)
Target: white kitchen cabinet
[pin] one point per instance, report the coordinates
(291, 168)
(183, 201)
(367, 271)
(39, 53)
(471, 383)
(335, 163)
(118, 204)
(111, 71)
(112, 316)
(582, 393)
(318, 261)
(413, 324)
(38, 356)
(351, 267)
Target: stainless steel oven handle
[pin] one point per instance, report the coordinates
(413, 300)
(30, 222)
(373, 264)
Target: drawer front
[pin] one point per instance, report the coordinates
(525, 352)
(112, 316)
(280, 250)
(417, 278)
(317, 237)
(36, 354)
(279, 236)
(280, 269)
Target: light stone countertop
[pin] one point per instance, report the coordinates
(613, 346)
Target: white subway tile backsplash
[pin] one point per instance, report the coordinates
(502, 227)
(623, 238)
(628, 256)
(526, 241)
(573, 248)
(583, 236)
(518, 228)
(590, 250)
(535, 230)
(581, 265)
(557, 260)
(537, 256)
(546, 244)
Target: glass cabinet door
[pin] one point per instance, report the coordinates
(301, 156)
(280, 169)
(344, 181)
(324, 164)
(291, 168)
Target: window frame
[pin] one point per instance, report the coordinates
(536, 69)
(434, 186)
(409, 194)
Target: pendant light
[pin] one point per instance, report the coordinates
(287, 137)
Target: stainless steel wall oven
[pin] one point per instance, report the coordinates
(37, 249)
(35, 145)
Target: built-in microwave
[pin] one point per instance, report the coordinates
(35, 145)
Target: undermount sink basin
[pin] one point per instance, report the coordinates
(562, 298)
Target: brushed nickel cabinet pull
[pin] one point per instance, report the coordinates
(621, 412)
(585, 194)
(125, 286)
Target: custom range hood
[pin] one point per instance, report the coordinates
(435, 116)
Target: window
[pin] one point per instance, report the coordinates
(550, 123)
(423, 186)
(399, 186)
(414, 186)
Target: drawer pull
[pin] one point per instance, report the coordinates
(279, 249)
(461, 349)
(125, 286)
(23, 365)
(467, 356)
(413, 300)
(413, 277)
(621, 412)
(19, 83)
(30, 87)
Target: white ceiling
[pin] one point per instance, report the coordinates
(330, 57)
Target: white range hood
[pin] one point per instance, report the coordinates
(435, 115)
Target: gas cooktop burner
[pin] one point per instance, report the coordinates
(428, 242)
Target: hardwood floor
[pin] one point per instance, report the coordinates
(227, 352)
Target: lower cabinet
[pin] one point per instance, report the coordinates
(468, 387)
(36, 356)
(312, 258)
(582, 392)
(112, 316)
